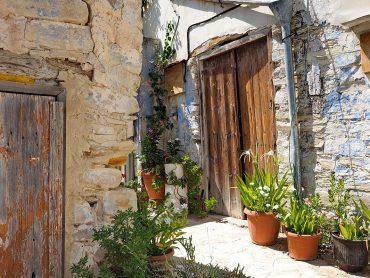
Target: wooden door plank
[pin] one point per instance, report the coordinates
(11, 226)
(24, 184)
(256, 66)
(56, 195)
(223, 163)
(248, 133)
(215, 190)
(233, 140)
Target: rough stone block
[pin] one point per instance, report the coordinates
(63, 36)
(120, 199)
(83, 214)
(12, 34)
(83, 233)
(102, 178)
(72, 11)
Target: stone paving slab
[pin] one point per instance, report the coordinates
(225, 241)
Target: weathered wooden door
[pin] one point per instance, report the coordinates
(221, 112)
(31, 186)
(238, 114)
(257, 105)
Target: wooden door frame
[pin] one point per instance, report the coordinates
(60, 96)
(251, 37)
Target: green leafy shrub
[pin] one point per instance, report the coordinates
(132, 238)
(81, 269)
(303, 218)
(173, 149)
(192, 178)
(263, 191)
(210, 203)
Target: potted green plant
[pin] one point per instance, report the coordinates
(166, 226)
(262, 193)
(302, 226)
(152, 158)
(137, 242)
(350, 241)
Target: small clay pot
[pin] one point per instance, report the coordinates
(148, 178)
(303, 247)
(159, 263)
(263, 227)
(350, 255)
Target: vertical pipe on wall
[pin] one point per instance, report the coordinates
(283, 10)
(294, 133)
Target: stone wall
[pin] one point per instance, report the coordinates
(333, 96)
(93, 50)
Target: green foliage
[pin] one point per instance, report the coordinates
(173, 149)
(193, 173)
(126, 243)
(339, 197)
(168, 50)
(263, 191)
(134, 236)
(304, 218)
(210, 203)
(365, 210)
(348, 219)
(352, 229)
(158, 180)
(152, 155)
(173, 180)
(81, 269)
(166, 228)
(192, 177)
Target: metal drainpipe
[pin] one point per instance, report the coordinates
(283, 10)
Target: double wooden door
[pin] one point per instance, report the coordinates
(238, 114)
(31, 186)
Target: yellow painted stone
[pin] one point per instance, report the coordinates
(16, 78)
(118, 161)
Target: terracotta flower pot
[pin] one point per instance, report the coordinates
(148, 178)
(263, 227)
(350, 255)
(159, 263)
(303, 247)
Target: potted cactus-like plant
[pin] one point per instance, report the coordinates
(262, 193)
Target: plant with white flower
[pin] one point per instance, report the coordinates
(263, 186)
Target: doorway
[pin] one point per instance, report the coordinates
(31, 185)
(238, 114)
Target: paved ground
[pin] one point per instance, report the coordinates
(226, 241)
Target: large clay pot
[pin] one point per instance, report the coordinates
(303, 247)
(159, 263)
(148, 178)
(350, 255)
(263, 227)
